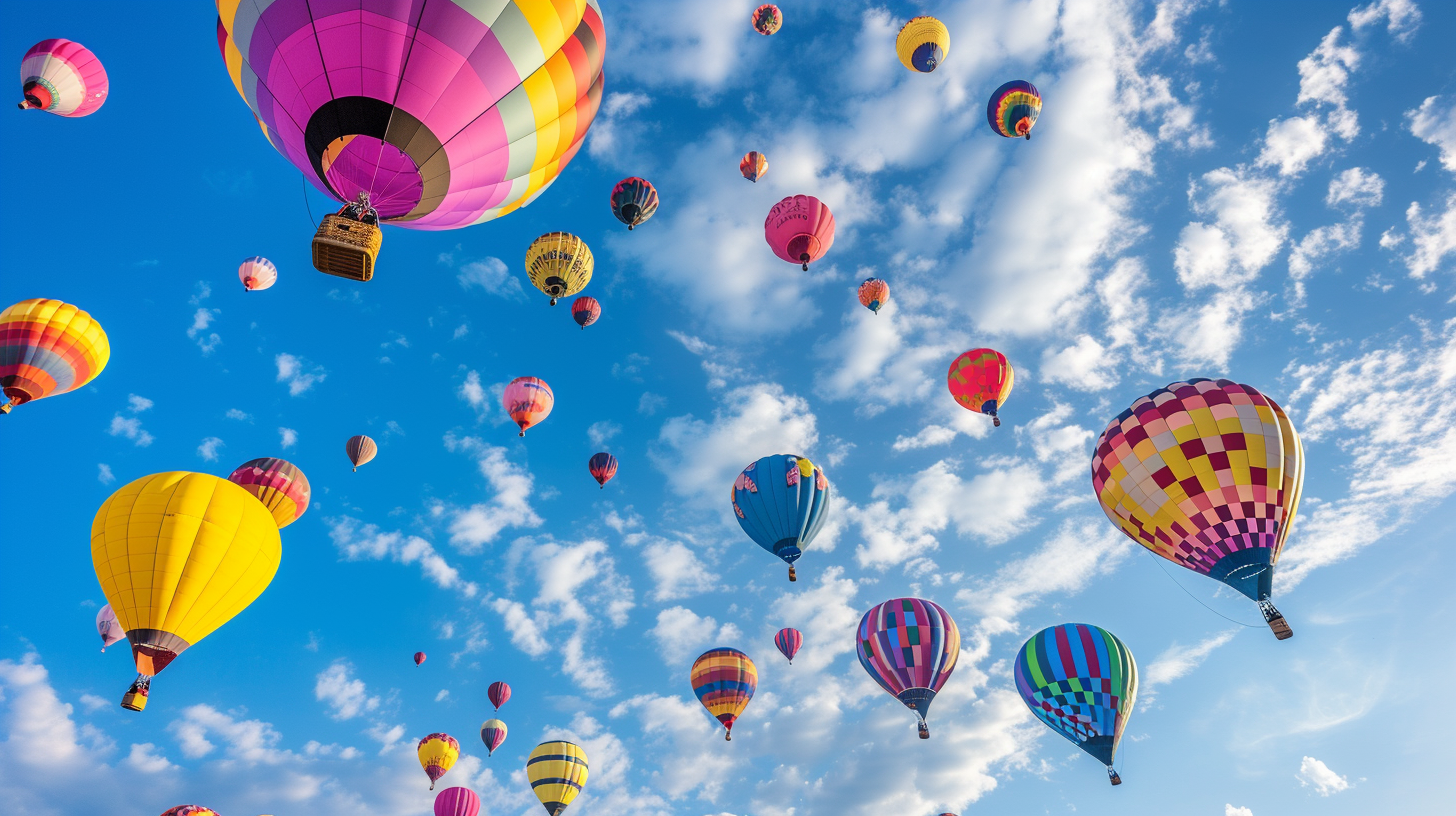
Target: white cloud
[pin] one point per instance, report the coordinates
(1084, 365)
(300, 374)
(346, 695)
(287, 438)
(357, 541)
(138, 404)
(705, 42)
(1356, 186)
(1291, 143)
(613, 133)
(92, 703)
(1402, 17)
(525, 634)
(201, 320)
(241, 416)
(130, 428)
(104, 474)
(147, 759)
(510, 506)
(252, 742)
(600, 433)
(208, 448)
(1434, 122)
(682, 634)
(1177, 661)
(1432, 238)
(929, 437)
(1315, 774)
(492, 275)
(1230, 810)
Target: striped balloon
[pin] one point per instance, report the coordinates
(360, 450)
(46, 348)
(789, 641)
(62, 77)
(1082, 682)
(634, 200)
(557, 772)
(1013, 109)
(874, 294)
(781, 502)
(585, 310)
(528, 400)
(724, 680)
(437, 754)
(603, 467)
(457, 802)
(498, 693)
(922, 44)
(492, 733)
(189, 810)
(981, 380)
(445, 113)
(278, 484)
(257, 273)
(753, 166)
(559, 264)
(909, 646)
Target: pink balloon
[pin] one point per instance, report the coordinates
(799, 229)
(457, 802)
(108, 627)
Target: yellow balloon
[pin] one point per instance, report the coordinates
(922, 44)
(560, 264)
(179, 554)
(437, 753)
(557, 772)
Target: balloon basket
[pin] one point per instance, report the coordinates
(924, 731)
(1276, 621)
(136, 696)
(1113, 777)
(346, 248)
(793, 576)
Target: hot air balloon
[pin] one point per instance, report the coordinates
(557, 771)
(1081, 681)
(492, 733)
(1207, 474)
(1013, 109)
(62, 77)
(419, 658)
(279, 485)
(634, 200)
(753, 166)
(922, 44)
(724, 680)
(603, 467)
(559, 264)
(46, 348)
(190, 810)
(440, 114)
(585, 311)
(789, 641)
(178, 555)
(799, 229)
(361, 450)
(498, 693)
(767, 19)
(781, 502)
(909, 646)
(457, 802)
(874, 294)
(108, 627)
(257, 273)
(437, 753)
(528, 400)
(981, 380)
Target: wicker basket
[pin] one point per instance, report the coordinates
(346, 248)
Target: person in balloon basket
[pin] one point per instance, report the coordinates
(360, 210)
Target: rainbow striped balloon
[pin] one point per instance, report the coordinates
(447, 113)
(724, 680)
(1013, 109)
(48, 347)
(909, 646)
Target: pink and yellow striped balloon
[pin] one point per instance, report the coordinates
(48, 347)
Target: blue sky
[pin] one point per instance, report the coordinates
(1260, 191)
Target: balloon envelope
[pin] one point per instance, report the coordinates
(781, 502)
(767, 19)
(557, 770)
(360, 450)
(724, 680)
(492, 733)
(528, 400)
(62, 77)
(585, 311)
(447, 113)
(257, 273)
(190, 810)
(419, 658)
(108, 627)
(753, 166)
(874, 294)
(922, 44)
(634, 200)
(1082, 682)
(1013, 109)
(603, 467)
(559, 264)
(437, 753)
(457, 802)
(981, 380)
(789, 641)
(278, 484)
(498, 693)
(48, 347)
(799, 229)
(909, 646)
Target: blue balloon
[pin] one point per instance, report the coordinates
(781, 502)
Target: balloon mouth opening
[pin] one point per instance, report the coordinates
(630, 213)
(20, 391)
(250, 283)
(37, 96)
(357, 162)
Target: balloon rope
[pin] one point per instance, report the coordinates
(1191, 595)
(304, 179)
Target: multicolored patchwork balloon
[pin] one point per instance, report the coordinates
(62, 77)
(788, 641)
(874, 294)
(781, 502)
(48, 347)
(559, 264)
(585, 311)
(557, 772)
(278, 484)
(492, 733)
(437, 753)
(799, 229)
(753, 166)
(498, 693)
(257, 273)
(108, 627)
(360, 450)
(922, 44)
(724, 680)
(528, 400)
(1013, 109)
(767, 19)
(446, 114)
(909, 646)
(603, 467)
(634, 200)
(1082, 682)
(1207, 474)
(457, 802)
(981, 380)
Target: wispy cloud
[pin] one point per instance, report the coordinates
(104, 474)
(209, 447)
(287, 438)
(1315, 774)
(300, 374)
(130, 427)
(358, 541)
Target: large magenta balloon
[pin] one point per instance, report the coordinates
(457, 802)
(446, 113)
(799, 229)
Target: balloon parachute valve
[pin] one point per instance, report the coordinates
(1113, 777)
(1276, 621)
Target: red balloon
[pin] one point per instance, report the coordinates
(498, 693)
(419, 658)
(799, 229)
(585, 311)
(603, 467)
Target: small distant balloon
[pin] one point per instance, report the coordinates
(585, 310)
(419, 658)
(278, 484)
(62, 77)
(922, 44)
(492, 733)
(1013, 109)
(498, 693)
(189, 810)
(981, 380)
(634, 200)
(437, 753)
(457, 802)
(528, 401)
(257, 273)
(753, 166)
(789, 641)
(603, 467)
(767, 19)
(874, 294)
(361, 450)
(799, 229)
(108, 627)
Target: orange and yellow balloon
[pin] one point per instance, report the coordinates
(48, 347)
(437, 753)
(278, 484)
(981, 380)
(179, 554)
